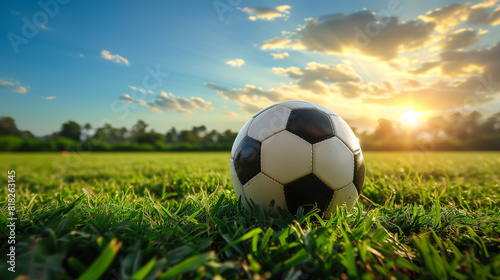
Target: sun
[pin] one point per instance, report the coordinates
(410, 117)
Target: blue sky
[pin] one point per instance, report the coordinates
(219, 62)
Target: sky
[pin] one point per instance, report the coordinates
(216, 63)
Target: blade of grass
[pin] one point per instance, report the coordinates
(188, 265)
(245, 236)
(143, 271)
(102, 263)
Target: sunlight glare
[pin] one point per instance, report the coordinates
(410, 117)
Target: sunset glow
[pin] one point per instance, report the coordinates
(410, 117)
(432, 57)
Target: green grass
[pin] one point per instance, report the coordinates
(172, 216)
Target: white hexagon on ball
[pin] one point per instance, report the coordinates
(333, 163)
(348, 196)
(268, 123)
(262, 190)
(344, 132)
(286, 157)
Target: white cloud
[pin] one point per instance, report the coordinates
(447, 17)
(11, 86)
(49, 97)
(276, 43)
(115, 58)
(435, 61)
(485, 14)
(232, 114)
(411, 83)
(140, 89)
(461, 38)
(237, 62)
(425, 67)
(473, 78)
(315, 76)
(277, 56)
(171, 103)
(250, 98)
(357, 89)
(386, 37)
(155, 110)
(126, 98)
(320, 83)
(249, 91)
(323, 72)
(340, 33)
(263, 13)
(485, 4)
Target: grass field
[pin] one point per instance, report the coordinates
(174, 215)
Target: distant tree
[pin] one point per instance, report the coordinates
(123, 133)
(195, 135)
(87, 128)
(386, 129)
(453, 125)
(227, 136)
(71, 130)
(153, 137)
(8, 127)
(472, 124)
(172, 136)
(107, 133)
(27, 134)
(101, 133)
(200, 131)
(491, 124)
(52, 136)
(188, 136)
(461, 125)
(212, 136)
(456, 130)
(435, 123)
(139, 131)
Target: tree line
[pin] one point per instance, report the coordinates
(73, 136)
(449, 131)
(454, 131)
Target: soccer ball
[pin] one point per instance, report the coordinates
(297, 153)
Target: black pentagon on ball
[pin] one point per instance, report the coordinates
(359, 171)
(307, 190)
(247, 159)
(310, 125)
